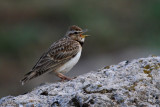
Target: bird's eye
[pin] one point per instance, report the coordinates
(75, 32)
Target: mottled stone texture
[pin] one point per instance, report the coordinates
(135, 83)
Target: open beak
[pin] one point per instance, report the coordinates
(83, 36)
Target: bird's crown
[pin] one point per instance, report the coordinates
(75, 28)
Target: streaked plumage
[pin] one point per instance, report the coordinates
(61, 56)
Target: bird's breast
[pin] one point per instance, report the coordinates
(72, 62)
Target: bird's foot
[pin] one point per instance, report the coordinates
(63, 77)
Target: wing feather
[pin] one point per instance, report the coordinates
(59, 53)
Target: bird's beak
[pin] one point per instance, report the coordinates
(83, 36)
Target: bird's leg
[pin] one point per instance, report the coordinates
(63, 77)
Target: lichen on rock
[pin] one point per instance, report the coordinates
(134, 83)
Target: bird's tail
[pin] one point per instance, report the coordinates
(28, 76)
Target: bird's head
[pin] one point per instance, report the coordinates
(76, 33)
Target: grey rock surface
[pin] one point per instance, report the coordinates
(135, 83)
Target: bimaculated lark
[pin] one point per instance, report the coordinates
(61, 56)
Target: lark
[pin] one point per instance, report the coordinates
(61, 56)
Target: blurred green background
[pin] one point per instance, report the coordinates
(120, 30)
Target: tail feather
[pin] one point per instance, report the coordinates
(27, 77)
(24, 80)
(32, 74)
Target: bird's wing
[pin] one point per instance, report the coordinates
(59, 53)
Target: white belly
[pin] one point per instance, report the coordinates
(69, 65)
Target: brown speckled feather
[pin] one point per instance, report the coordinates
(59, 53)
(61, 56)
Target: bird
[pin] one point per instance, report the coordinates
(60, 57)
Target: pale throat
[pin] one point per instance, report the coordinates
(81, 41)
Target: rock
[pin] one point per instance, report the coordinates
(135, 83)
